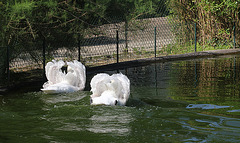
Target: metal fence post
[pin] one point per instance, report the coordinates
(117, 47)
(195, 38)
(44, 57)
(234, 35)
(79, 50)
(126, 36)
(155, 42)
(8, 60)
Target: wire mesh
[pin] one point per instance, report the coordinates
(98, 43)
(135, 42)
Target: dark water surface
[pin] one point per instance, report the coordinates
(183, 101)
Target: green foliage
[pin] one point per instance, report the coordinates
(122, 10)
(62, 22)
(22, 7)
(25, 24)
(215, 19)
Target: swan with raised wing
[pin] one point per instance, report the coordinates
(110, 90)
(59, 81)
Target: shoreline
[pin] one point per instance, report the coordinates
(142, 62)
(4, 90)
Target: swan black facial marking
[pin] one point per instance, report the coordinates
(116, 102)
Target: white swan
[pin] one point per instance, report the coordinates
(59, 81)
(109, 90)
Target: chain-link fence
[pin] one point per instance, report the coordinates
(102, 48)
(113, 42)
(137, 41)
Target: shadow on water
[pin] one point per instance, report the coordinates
(185, 101)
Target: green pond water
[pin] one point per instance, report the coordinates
(183, 101)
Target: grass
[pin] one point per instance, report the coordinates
(174, 49)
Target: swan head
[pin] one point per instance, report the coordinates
(106, 98)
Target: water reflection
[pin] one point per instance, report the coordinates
(183, 101)
(211, 84)
(237, 110)
(205, 106)
(214, 81)
(64, 97)
(114, 121)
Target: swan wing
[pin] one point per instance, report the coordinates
(98, 84)
(53, 72)
(76, 75)
(60, 88)
(125, 82)
(109, 89)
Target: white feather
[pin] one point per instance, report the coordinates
(59, 81)
(110, 89)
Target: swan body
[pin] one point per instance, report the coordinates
(110, 90)
(59, 81)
